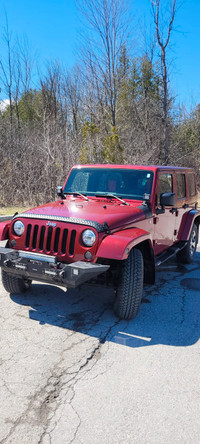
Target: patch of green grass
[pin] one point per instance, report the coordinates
(4, 211)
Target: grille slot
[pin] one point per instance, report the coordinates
(41, 241)
(35, 232)
(52, 239)
(72, 242)
(64, 241)
(49, 237)
(56, 241)
(28, 235)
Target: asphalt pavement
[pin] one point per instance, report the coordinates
(71, 372)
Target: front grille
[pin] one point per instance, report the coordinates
(50, 239)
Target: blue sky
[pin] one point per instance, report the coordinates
(52, 28)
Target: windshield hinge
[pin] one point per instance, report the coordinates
(106, 228)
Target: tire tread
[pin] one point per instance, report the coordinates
(129, 293)
(14, 284)
(184, 256)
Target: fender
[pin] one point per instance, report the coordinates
(186, 224)
(118, 245)
(4, 227)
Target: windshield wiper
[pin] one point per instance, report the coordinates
(112, 196)
(76, 193)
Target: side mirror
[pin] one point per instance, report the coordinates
(167, 199)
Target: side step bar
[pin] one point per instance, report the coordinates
(163, 257)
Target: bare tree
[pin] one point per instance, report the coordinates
(6, 72)
(163, 33)
(71, 91)
(22, 72)
(103, 41)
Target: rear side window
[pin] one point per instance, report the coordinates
(181, 187)
(191, 184)
(165, 184)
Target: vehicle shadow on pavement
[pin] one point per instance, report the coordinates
(169, 312)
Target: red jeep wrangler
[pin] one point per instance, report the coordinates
(113, 223)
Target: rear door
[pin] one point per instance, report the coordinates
(186, 197)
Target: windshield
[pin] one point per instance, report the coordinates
(125, 183)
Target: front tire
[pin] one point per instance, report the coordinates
(14, 284)
(186, 255)
(129, 291)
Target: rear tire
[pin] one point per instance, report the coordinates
(14, 284)
(129, 291)
(186, 255)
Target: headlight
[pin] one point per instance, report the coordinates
(88, 238)
(18, 228)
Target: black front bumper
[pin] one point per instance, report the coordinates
(46, 268)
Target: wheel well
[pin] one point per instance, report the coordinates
(197, 223)
(149, 262)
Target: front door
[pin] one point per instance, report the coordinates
(164, 224)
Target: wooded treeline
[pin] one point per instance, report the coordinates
(112, 107)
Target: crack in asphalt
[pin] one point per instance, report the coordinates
(43, 405)
(93, 354)
(72, 383)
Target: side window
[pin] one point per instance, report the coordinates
(191, 184)
(165, 184)
(181, 187)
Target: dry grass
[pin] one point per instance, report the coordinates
(4, 211)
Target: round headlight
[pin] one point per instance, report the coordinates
(18, 228)
(88, 238)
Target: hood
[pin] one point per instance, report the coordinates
(100, 210)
